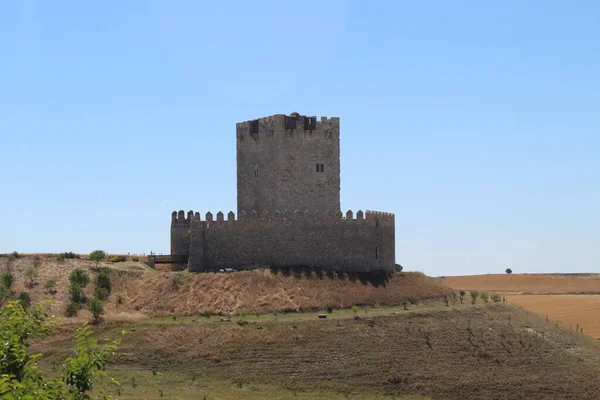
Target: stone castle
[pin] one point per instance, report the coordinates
(288, 200)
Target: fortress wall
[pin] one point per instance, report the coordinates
(180, 237)
(329, 241)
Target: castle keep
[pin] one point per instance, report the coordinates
(288, 207)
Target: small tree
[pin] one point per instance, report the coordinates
(508, 271)
(71, 309)
(496, 298)
(25, 300)
(7, 279)
(103, 279)
(462, 295)
(30, 274)
(474, 294)
(96, 308)
(79, 277)
(485, 296)
(97, 256)
(76, 292)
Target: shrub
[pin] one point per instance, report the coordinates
(329, 308)
(71, 309)
(49, 286)
(176, 281)
(96, 308)
(103, 279)
(15, 254)
(79, 277)
(25, 300)
(30, 274)
(413, 300)
(241, 314)
(496, 298)
(485, 296)
(474, 294)
(115, 259)
(405, 304)
(68, 255)
(7, 279)
(355, 309)
(446, 300)
(97, 256)
(76, 292)
(508, 271)
(5, 294)
(462, 295)
(136, 259)
(101, 293)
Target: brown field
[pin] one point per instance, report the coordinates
(570, 310)
(525, 283)
(551, 295)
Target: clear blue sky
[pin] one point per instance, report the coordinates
(476, 123)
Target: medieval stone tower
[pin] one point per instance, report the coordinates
(288, 163)
(288, 182)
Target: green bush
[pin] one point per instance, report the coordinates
(7, 279)
(135, 259)
(96, 308)
(413, 300)
(68, 255)
(15, 254)
(71, 309)
(79, 277)
(76, 293)
(103, 279)
(329, 308)
(508, 271)
(496, 298)
(101, 293)
(355, 309)
(241, 314)
(115, 259)
(462, 295)
(25, 299)
(5, 294)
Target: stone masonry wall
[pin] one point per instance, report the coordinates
(276, 167)
(364, 243)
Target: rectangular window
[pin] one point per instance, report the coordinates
(254, 126)
(320, 167)
(310, 123)
(290, 122)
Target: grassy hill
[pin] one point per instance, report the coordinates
(269, 343)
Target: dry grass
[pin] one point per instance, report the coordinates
(487, 352)
(148, 293)
(570, 310)
(545, 284)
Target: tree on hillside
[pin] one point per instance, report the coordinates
(96, 308)
(508, 271)
(20, 377)
(79, 277)
(30, 273)
(97, 256)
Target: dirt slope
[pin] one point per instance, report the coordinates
(488, 352)
(146, 293)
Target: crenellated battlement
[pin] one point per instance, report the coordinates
(180, 218)
(287, 123)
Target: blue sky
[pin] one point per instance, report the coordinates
(476, 123)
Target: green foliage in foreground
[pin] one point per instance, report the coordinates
(20, 377)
